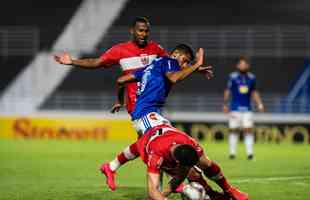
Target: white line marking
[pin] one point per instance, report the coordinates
(270, 179)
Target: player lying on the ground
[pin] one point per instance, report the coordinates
(156, 82)
(167, 148)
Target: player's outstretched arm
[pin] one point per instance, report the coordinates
(88, 63)
(153, 181)
(258, 100)
(175, 77)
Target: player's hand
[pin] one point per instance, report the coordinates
(64, 58)
(261, 108)
(225, 109)
(199, 56)
(207, 71)
(116, 108)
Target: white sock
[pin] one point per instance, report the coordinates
(249, 142)
(232, 140)
(114, 164)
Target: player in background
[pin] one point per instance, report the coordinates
(167, 148)
(241, 89)
(131, 55)
(156, 81)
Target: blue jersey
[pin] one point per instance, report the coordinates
(154, 86)
(241, 87)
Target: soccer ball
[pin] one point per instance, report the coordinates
(194, 191)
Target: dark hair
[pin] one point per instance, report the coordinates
(186, 155)
(140, 19)
(243, 58)
(185, 49)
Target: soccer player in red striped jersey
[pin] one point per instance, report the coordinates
(131, 55)
(167, 148)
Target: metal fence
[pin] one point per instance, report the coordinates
(223, 41)
(19, 41)
(226, 41)
(229, 41)
(275, 103)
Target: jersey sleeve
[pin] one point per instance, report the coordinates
(111, 56)
(138, 74)
(229, 82)
(154, 163)
(170, 65)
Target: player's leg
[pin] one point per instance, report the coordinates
(151, 120)
(214, 172)
(109, 169)
(234, 124)
(196, 175)
(129, 153)
(247, 125)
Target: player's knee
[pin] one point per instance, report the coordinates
(194, 175)
(204, 162)
(234, 130)
(248, 130)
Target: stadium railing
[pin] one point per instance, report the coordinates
(185, 103)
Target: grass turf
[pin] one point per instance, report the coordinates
(68, 170)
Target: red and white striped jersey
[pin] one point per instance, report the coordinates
(131, 57)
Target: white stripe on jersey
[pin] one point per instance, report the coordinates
(136, 62)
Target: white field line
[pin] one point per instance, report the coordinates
(270, 179)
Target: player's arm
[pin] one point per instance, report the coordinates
(226, 100)
(258, 101)
(88, 63)
(186, 71)
(121, 82)
(153, 181)
(176, 180)
(207, 71)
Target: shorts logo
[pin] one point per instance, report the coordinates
(144, 59)
(152, 116)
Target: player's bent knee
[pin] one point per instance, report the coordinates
(234, 130)
(248, 130)
(204, 162)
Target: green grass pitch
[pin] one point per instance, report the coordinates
(68, 170)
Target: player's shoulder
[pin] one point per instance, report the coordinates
(251, 75)
(163, 60)
(155, 44)
(122, 45)
(166, 61)
(233, 75)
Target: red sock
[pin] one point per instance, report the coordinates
(129, 153)
(214, 173)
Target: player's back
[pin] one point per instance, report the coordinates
(158, 142)
(241, 87)
(154, 86)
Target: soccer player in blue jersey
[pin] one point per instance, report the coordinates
(240, 91)
(155, 83)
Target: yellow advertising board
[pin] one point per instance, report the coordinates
(71, 128)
